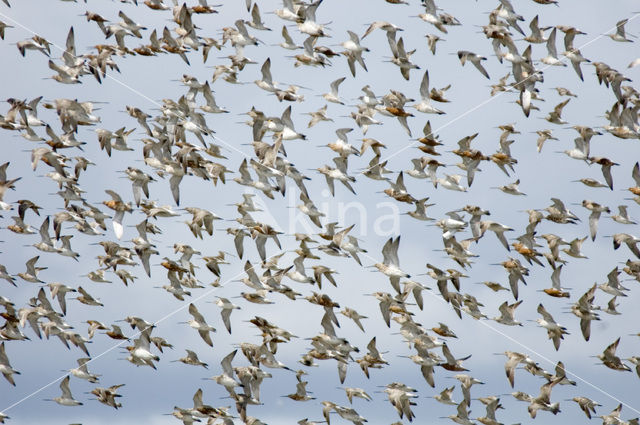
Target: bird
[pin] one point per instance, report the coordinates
(353, 52)
(401, 58)
(432, 40)
(184, 147)
(227, 307)
(5, 367)
(342, 146)
(301, 393)
(613, 286)
(606, 165)
(425, 105)
(610, 360)
(199, 324)
(451, 182)
(339, 173)
(421, 210)
(318, 116)
(543, 136)
(587, 405)
(462, 415)
(620, 35)
(555, 116)
(117, 204)
(192, 359)
(552, 55)
(475, 59)
(400, 397)
(596, 210)
(139, 353)
(576, 59)
(108, 396)
(66, 399)
(256, 20)
(497, 228)
(555, 332)
(512, 189)
(390, 265)
(332, 96)
(574, 248)
(623, 216)
(82, 372)
(353, 315)
(288, 41)
(507, 314)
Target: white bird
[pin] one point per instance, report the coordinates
(451, 182)
(390, 265)
(227, 307)
(66, 399)
(139, 353)
(199, 324)
(332, 96)
(256, 20)
(421, 210)
(211, 106)
(82, 372)
(226, 378)
(266, 83)
(580, 151)
(45, 244)
(353, 52)
(512, 188)
(288, 43)
(425, 104)
(552, 55)
(537, 35)
(612, 286)
(445, 396)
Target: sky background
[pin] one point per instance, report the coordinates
(144, 82)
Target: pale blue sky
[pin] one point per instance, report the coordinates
(144, 82)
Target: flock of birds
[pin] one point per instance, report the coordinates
(178, 146)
